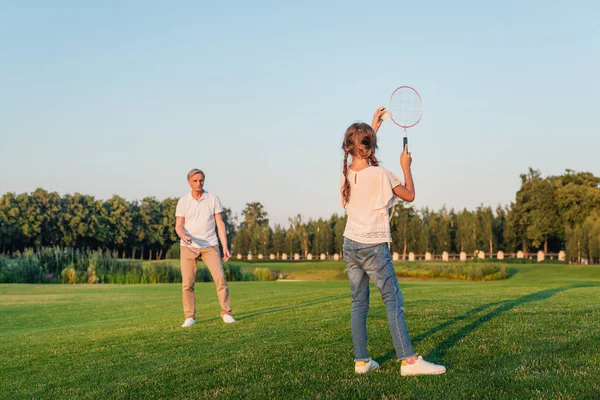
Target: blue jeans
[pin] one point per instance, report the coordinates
(364, 261)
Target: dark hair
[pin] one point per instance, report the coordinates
(360, 140)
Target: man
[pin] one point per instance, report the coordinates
(196, 215)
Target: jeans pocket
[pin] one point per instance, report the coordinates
(377, 257)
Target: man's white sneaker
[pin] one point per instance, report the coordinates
(228, 319)
(362, 367)
(188, 322)
(421, 367)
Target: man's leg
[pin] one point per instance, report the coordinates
(188, 280)
(212, 258)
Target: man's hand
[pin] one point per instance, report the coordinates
(226, 254)
(378, 118)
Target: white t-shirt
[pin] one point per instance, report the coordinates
(199, 217)
(371, 196)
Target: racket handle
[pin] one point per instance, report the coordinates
(405, 143)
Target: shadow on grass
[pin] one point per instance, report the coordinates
(511, 271)
(302, 304)
(438, 353)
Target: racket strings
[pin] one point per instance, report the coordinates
(405, 107)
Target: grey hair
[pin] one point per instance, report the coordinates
(194, 172)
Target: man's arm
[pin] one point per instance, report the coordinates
(222, 231)
(179, 221)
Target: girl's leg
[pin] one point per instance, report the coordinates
(359, 285)
(381, 271)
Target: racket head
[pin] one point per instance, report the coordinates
(405, 107)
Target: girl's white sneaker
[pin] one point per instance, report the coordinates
(362, 367)
(421, 367)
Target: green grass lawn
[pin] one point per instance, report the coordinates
(535, 335)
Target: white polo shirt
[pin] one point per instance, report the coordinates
(199, 217)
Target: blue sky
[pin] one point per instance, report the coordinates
(125, 97)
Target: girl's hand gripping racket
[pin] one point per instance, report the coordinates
(405, 109)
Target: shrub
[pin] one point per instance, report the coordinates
(174, 251)
(65, 265)
(473, 271)
(68, 275)
(233, 272)
(265, 274)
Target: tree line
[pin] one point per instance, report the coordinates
(552, 213)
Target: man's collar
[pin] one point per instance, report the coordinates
(204, 193)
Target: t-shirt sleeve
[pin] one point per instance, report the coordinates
(385, 195)
(217, 206)
(180, 209)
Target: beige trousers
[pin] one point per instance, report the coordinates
(212, 258)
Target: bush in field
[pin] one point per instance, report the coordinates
(233, 272)
(68, 275)
(28, 269)
(6, 272)
(174, 251)
(163, 272)
(474, 271)
(203, 275)
(58, 265)
(91, 275)
(265, 274)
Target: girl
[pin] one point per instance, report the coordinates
(367, 192)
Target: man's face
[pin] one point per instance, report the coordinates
(197, 182)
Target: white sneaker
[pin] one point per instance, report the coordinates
(362, 367)
(228, 319)
(421, 367)
(188, 322)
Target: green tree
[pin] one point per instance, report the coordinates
(339, 225)
(399, 222)
(116, 223)
(11, 236)
(466, 231)
(79, 221)
(577, 196)
(278, 240)
(324, 237)
(443, 237)
(254, 230)
(167, 225)
(292, 243)
(45, 209)
(499, 226)
(230, 224)
(300, 233)
(513, 231)
(485, 231)
(150, 229)
(415, 225)
(241, 241)
(590, 233)
(543, 219)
